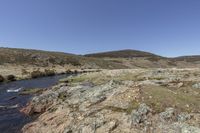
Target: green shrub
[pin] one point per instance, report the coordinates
(11, 78)
(1, 78)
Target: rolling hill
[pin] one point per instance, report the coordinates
(106, 60)
(123, 54)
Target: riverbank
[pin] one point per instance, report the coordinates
(19, 72)
(134, 100)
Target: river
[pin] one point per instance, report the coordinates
(11, 120)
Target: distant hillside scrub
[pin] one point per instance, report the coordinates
(37, 57)
(121, 59)
(122, 54)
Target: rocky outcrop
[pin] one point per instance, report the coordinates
(40, 103)
(118, 106)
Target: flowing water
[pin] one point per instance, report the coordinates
(11, 120)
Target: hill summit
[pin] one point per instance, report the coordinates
(127, 53)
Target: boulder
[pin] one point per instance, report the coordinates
(183, 117)
(140, 115)
(167, 114)
(196, 86)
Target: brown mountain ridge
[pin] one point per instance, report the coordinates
(106, 60)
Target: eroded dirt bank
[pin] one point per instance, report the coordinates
(120, 101)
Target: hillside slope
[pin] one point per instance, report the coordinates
(46, 58)
(123, 54)
(141, 59)
(107, 60)
(193, 58)
(36, 57)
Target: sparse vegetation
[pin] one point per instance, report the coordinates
(49, 72)
(37, 74)
(134, 105)
(11, 78)
(108, 60)
(24, 72)
(31, 91)
(62, 96)
(101, 78)
(64, 80)
(69, 72)
(36, 57)
(122, 54)
(159, 98)
(1, 78)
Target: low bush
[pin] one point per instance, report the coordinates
(49, 72)
(1, 78)
(37, 74)
(11, 78)
(24, 72)
(63, 96)
(69, 72)
(75, 72)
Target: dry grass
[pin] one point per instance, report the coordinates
(31, 91)
(99, 78)
(160, 98)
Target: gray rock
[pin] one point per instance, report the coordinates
(112, 125)
(143, 109)
(99, 122)
(183, 117)
(168, 114)
(177, 127)
(108, 126)
(88, 129)
(185, 128)
(189, 129)
(136, 117)
(140, 115)
(196, 86)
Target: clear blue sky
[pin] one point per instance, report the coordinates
(165, 27)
